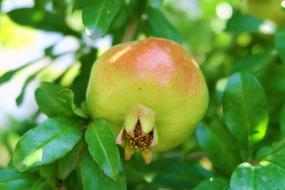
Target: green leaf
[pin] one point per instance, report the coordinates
(245, 109)
(11, 179)
(160, 26)
(279, 43)
(155, 3)
(254, 63)
(39, 19)
(102, 147)
(79, 85)
(55, 100)
(97, 15)
(47, 142)
(173, 173)
(70, 161)
(267, 174)
(40, 184)
(94, 179)
(282, 119)
(48, 173)
(213, 183)
(217, 142)
(243, 23)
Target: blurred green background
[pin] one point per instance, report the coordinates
(45, 40)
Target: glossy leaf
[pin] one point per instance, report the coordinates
(217, 142)
(266, 174)
(97, 16)
(11, 179)
(48, 142)
(94, 179)
(160, 26)
(243, 23)
(213, 183)
(245, 109)
(102, 147)
(55, 100)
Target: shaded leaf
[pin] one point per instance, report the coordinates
(40, 184)
(279, 43)
(97, 15)
(243, 23)
(216, 141)
(55, 100)
(245, 109)
(213, 183)
(79, 85)
(102, 147)
(48, 173)
(160, 26)
(254, 63)
(176, 174)
(41, 20)
(282, 119)
(48, 142)
(70, 161)
(94, 179)
(11, 179)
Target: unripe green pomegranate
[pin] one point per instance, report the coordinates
(151, 92)
(265, 9)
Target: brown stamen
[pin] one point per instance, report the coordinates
(139, 140)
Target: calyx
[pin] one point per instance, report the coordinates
(139, 133)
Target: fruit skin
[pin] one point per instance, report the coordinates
(155, 73)
(265, 9)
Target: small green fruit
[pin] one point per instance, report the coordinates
(265, 9)
(151, 92)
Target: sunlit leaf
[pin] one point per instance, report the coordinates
(48, 142)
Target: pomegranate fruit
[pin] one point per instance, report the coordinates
(265, 9)
(151, 92)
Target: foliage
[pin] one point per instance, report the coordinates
(239, 145)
